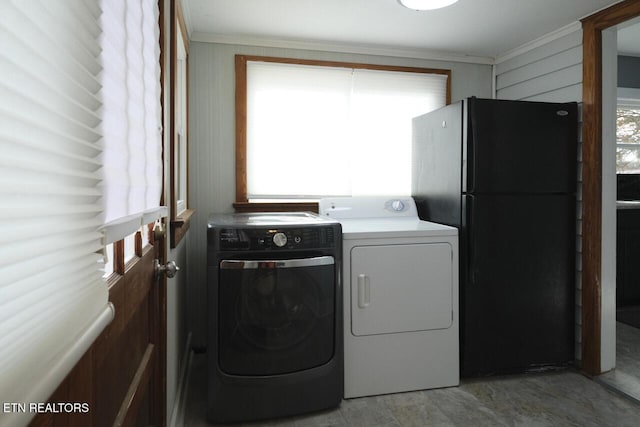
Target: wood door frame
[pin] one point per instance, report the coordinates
(592, 28)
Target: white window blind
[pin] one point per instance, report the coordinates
(58, 174)
(131, 113)
(132, 155)
(316, 131)
(53, 302)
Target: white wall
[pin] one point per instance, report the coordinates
(212, 138)
(176, 288)
(609, 193)
(177, 333)
(550, 69)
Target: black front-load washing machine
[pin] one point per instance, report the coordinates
(274, 315)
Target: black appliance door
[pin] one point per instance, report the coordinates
(436, 167)
(521, 147)
(518, 292)
(275, 316)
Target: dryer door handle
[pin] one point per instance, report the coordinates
(364, 291)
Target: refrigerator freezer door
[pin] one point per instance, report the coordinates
(521, 147)
(436, 164)
(518, 295)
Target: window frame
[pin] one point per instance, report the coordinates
(242, 203)
(179, 221)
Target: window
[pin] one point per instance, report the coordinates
(308, 129)
(180, 212)
(628, 132)
(131, 118)
(181, 126)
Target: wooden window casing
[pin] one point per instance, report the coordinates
(242, 203)
(179, 221)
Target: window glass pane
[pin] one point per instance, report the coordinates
(628, 160)
(181, 125)
(383, 104)
(315, 131)
(129, 248)
(108, 265)
(628, 139)
(297, 127)
(145, 236)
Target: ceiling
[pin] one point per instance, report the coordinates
(475, 28)
(629, 38)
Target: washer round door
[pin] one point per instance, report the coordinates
(275, 316)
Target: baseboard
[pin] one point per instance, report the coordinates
(179, 405)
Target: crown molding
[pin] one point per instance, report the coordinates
(541, 41)
(341, 48)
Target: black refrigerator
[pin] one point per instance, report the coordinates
(504, 173)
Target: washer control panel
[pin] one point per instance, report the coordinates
(276, 238)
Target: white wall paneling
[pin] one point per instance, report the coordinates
(544, 73)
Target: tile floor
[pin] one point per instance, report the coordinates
(626, 377)
(564, 398)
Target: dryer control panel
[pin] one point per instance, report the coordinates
(367, 207)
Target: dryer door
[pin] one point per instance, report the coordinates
(401, 288)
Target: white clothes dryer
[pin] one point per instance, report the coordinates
(400, 277)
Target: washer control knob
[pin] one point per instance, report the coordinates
(397, 205)
(279, 239)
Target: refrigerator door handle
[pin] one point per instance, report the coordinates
(470, 149)
(471, 239)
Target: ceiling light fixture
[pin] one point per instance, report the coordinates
(426, 4)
